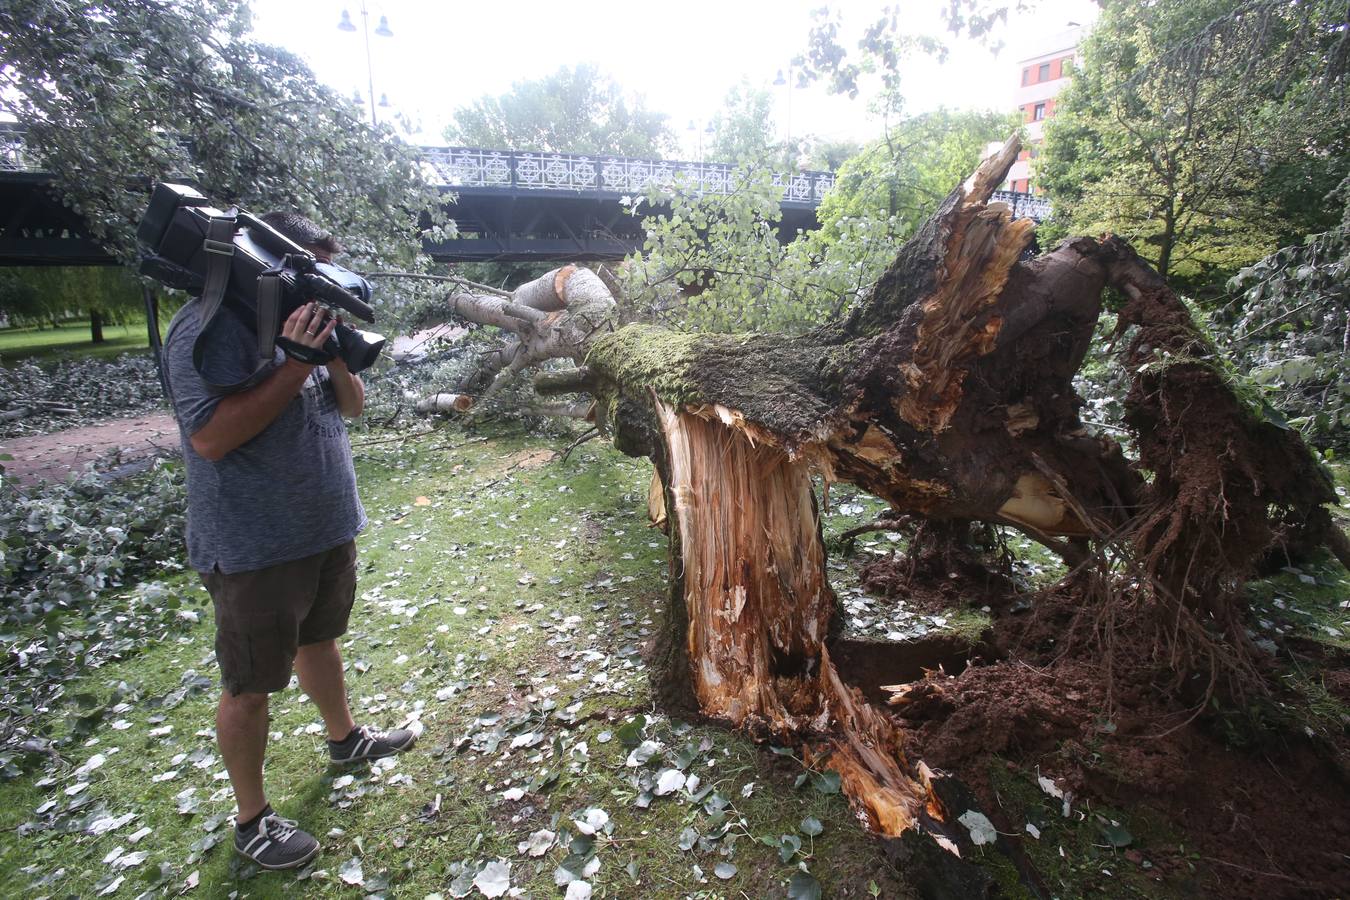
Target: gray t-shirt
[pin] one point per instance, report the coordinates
(287, 493)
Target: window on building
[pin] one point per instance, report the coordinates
(1043, 74)
(1038, 113)
(1026, 75)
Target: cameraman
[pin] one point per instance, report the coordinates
(272, 516)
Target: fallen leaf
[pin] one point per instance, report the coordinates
(668, 782)
(982, 831)
(350, 872)
(1117, 836)
(803, 886)
(538, 843)
(1048, 785)
(591, 821)
(131, 860)
(494, 879)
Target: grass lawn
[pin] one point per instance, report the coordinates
(70, 340)
(504, 601)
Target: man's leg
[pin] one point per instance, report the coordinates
(319, 666)
(241, 733)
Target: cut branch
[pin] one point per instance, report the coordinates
(445, 403)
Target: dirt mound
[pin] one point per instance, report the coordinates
(1262, 808)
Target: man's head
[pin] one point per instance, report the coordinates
(305, 233)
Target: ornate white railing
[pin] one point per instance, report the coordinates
(13, 157)
(615, 175)
(1024, 206)
(472, 167)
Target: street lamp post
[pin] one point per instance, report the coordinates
(383, 30)
(707, 129)
(780, 81)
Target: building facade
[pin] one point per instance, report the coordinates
(1041, 78)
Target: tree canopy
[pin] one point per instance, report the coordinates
(902, 176)
(117, 93)
(1206, 132)
(47, 294)
(574, 110)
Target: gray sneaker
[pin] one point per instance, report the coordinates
(276, 843)
(366, 743)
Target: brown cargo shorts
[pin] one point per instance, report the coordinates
(264, 616)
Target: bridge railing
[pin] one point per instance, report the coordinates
(1024, 206)
(458, 167)
(615, 176)
(13, 151)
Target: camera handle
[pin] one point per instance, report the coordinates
(334, 294)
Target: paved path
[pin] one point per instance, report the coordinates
(54, 456)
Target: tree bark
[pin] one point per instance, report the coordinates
(95, 326)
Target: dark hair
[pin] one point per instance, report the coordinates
(303, 231)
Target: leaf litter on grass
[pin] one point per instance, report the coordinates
(534, 696)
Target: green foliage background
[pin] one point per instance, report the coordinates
(1207, 132)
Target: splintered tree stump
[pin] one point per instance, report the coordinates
(948, 392)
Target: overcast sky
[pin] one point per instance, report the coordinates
(682, 56)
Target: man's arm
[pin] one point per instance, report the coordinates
(241, 417)
(351, 393)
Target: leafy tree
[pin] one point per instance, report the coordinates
(743, 129)
(35, 296)
(117, 93)
(1204, 132)
(1290, 328)
(574, 110)
(20, 303)
(716, 264)
(901, 177)
(829, 154)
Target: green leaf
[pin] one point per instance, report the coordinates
(811, 826)
(1117, 836)
(630, 733)
(827, 782)
(803, 886)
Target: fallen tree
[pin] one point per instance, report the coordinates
(948, 393)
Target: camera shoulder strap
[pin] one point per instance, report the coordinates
(219, 247)
(269, 308)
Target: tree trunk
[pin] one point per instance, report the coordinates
(948, 393)
(96, 326)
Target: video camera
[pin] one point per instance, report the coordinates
(239, 263)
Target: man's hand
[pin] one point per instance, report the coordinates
(309, 325)
(241, 417)
(304, 333)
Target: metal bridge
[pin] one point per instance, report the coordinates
(508, 206)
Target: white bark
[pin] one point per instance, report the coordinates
(445, 403)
